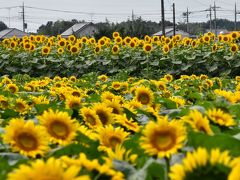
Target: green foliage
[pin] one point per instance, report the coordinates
(221, 141)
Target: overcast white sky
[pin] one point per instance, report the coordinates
(113, 10)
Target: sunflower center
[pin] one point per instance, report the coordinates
(144, 98)
(115, 111)
(12, 89)
(114, 141)
(45, 51)
(59, 130)
(91, 119)
(4, 103)
(102, 116)
(74, 49)
(115, 49)
(163, 140)
(27, 141)
(234, 48)
(20, 106)
(161, 87)
(148, 48)
(75, 93)
(74, 105)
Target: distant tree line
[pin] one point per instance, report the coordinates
(137, 27)
(55, 28)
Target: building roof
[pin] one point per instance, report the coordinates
(169, 32)
(76, 28)
(10, 32)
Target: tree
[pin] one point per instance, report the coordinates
(58, 27)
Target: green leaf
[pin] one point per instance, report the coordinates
(41, 66)
(226, 72)
(106, 62)
(8, 113)
(84, 144)
(186, 67)
(11, 69)
(228, 57)
(26, 70)
(221, 141)
(212, 68)
(235, 110)
(155, 171)
(155, 63)
(176, 62)
(167, 103)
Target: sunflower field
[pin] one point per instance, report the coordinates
(121, 108)
(149, 57)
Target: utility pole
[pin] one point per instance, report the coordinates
(235, 17)
(174, 24)
(163, 18)
(187, 20)
(23, 17)
(210, 10)
(215, 17)
(132, 15)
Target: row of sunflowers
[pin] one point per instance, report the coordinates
(152, 56)
(119, 127)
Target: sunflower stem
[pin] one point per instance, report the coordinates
(167, 166)
(147, 67)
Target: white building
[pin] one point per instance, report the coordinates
(81, 29)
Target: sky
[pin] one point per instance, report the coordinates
(113, 10)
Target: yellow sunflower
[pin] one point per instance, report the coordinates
(60, 50)
(59, 125)
(166, 49)
(62, 42)
(198, 122)
(46, 50)
(4, 102)
(234, 48)
(109, 96)
(121, 154)
(201, 164)
(220, 117)
(110, 137)
(21, 106)
(163, 138)
(168, 77)
(52, 169)
(234, 174)
(72, 78)
(115, 105)
(115, 49)
(103, 78)
(104, 113)
(118, 40)
(147, 47)
(127, 123)
(73, 102)
(26, 138)
(214, 47)
(116, 85)
(115, 34)
(40, 99)
(144, 95)
(13, 88)
(74, 49)
(90, 117)
(161, 85)
(178, 100)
